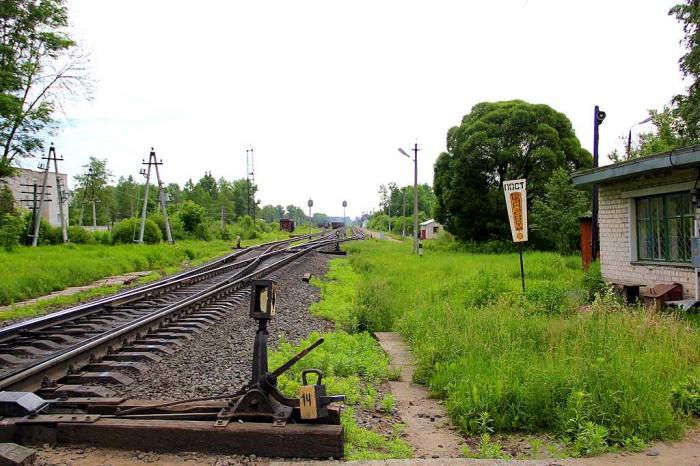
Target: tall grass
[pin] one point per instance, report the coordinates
(30, 272)
(530, 362)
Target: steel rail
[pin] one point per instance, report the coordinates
(71, 354)
(125, 296)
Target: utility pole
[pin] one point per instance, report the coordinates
(250, 170)
(153, 162)
(37, 218)
(60, 194)
(33, 203)
(82, 208)
(598, 117)
(92, 194)
(415, 198)
(403, 213)
(388, 209)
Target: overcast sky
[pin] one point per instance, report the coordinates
(326, 91)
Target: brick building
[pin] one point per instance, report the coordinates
(24, 176)
(647, 217)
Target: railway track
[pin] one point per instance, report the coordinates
(62, 354)
(60, 374)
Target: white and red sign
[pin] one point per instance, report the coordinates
(516, 200)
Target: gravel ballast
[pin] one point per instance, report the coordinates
(218, 359)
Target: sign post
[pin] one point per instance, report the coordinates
(516, 200)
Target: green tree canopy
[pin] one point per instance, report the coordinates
(555, 217)
(93, 186)
(665, 137)
(500, 141)
(392, 197)
(688, 105)
(39, 66)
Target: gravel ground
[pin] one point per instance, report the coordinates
(218, 360)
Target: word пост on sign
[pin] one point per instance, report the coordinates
(516, 201)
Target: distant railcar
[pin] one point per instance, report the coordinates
(287, 224)
(335, 225)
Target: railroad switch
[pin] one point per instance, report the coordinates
(261, 400)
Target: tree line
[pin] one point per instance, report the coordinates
(497, 141)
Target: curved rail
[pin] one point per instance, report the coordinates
(125, 296)
(30, 376)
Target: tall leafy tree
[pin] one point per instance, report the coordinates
(40, 65)
(498, 141)
(296, 213)
(92, 184)
(555, 217)
(665, 137)
(687, 106)
(127, 194)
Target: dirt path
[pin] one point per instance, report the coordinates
(124, 279)
(428, 428)
(379, 235)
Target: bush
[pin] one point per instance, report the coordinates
(11, 228)
(203, 232)
(593, 281)
(103, 237)
(446, 242)
(191, 215)
(685, 395)
(49, 234)
(80, 235)
(127, 231)
(177, 228)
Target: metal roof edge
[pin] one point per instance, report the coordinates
(677, 158)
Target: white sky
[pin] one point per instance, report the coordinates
(325, 91)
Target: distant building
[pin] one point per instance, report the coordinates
(23, 194)
(647, 212)
(429, 229)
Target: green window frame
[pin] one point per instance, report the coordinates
(664, 227)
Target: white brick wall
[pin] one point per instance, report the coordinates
(50, 212)
(616, 240)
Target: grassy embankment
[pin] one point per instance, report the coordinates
(31, 272)
(604, 378)
(353, 365)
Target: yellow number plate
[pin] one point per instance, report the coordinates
(307, 402)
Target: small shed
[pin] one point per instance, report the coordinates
(429, 229)
(646, 222)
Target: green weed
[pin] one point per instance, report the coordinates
(613, 375)
(351, 365)
(487, 449)
(535, 447)
(370, 400)
(389, 403)
(365, 444)
(590, 440)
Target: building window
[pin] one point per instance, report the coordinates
(664, 227)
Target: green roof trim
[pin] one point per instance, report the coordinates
(686, 157)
